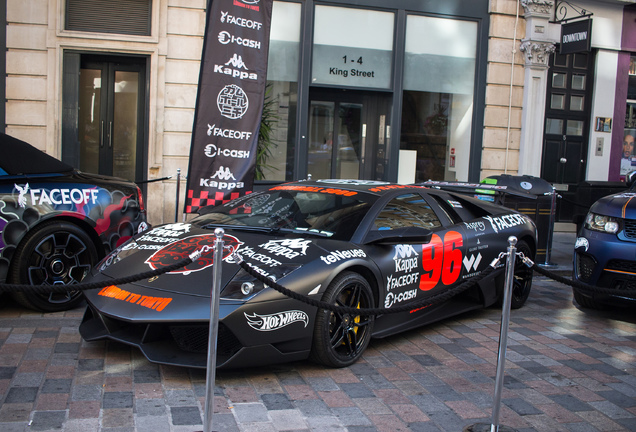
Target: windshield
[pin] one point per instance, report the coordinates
(324, 214)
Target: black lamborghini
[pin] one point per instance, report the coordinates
(353, 243)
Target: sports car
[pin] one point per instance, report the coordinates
(57, 222)
(354, 243)
(605, 252)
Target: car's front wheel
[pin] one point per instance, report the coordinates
(56, 253)
(341, 338)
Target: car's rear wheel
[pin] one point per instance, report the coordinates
(522, 281)
(341, 338)
(587, 302)
(56, 253)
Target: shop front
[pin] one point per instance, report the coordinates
(377, 91)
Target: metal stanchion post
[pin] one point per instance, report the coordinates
(503, 344)
(176, 203)
(214, 330)
(548, 246)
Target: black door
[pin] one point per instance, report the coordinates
(566, 132)
(110, 99)
(349, 134)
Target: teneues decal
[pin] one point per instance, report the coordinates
(335, 256)
(276, 321)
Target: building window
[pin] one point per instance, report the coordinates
(437, 109)
(352, 47)
(282, 82)
(130, 17)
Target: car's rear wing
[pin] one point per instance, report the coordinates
(483, 191)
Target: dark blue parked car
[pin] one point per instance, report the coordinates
(605, 251)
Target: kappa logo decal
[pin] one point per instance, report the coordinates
(289, 248)
(276, 321)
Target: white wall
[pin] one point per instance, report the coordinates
(602, 106)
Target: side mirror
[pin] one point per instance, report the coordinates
(630, 178)
(399, 236)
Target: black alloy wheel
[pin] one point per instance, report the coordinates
(522, 281)
(341, 338)
(56, 253)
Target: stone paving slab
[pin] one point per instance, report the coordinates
(567, 369)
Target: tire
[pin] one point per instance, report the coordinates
(52, 254)
(522, 281)
(340, 339)
(587, 302)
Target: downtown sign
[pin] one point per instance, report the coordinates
(229, 105)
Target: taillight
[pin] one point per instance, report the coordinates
(142, 205)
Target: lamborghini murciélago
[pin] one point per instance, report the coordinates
(354, 243)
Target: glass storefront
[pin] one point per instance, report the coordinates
(383, 94)
(439, 77)
(282, 80)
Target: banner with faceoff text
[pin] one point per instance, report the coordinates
(229, 104)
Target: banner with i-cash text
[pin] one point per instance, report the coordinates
(229, 103)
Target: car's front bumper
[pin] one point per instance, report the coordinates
(605, 261)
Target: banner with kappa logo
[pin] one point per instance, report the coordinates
(229, 104)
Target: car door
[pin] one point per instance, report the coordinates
(410, 270)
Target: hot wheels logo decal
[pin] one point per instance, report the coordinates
(181, 249)
(276, 321)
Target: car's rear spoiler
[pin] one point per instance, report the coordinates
(487, 192)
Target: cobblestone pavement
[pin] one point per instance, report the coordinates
(567, 369)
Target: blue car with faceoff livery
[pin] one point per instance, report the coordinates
(605, 251)
(56, 222)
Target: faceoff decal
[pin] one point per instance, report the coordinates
(276, 321)
(179, 250)
(55, 197)
(501, 223)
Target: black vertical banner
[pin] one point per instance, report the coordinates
(229, 102)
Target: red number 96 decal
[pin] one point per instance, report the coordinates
(441, 259)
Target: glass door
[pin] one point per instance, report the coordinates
(110, 118)
(348, 134)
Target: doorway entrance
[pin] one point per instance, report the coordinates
(349, 134)
(110, 99)
(566, 133)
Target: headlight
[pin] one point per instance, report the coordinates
(597, 222)
(244, 286)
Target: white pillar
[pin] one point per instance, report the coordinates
(537, 47)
